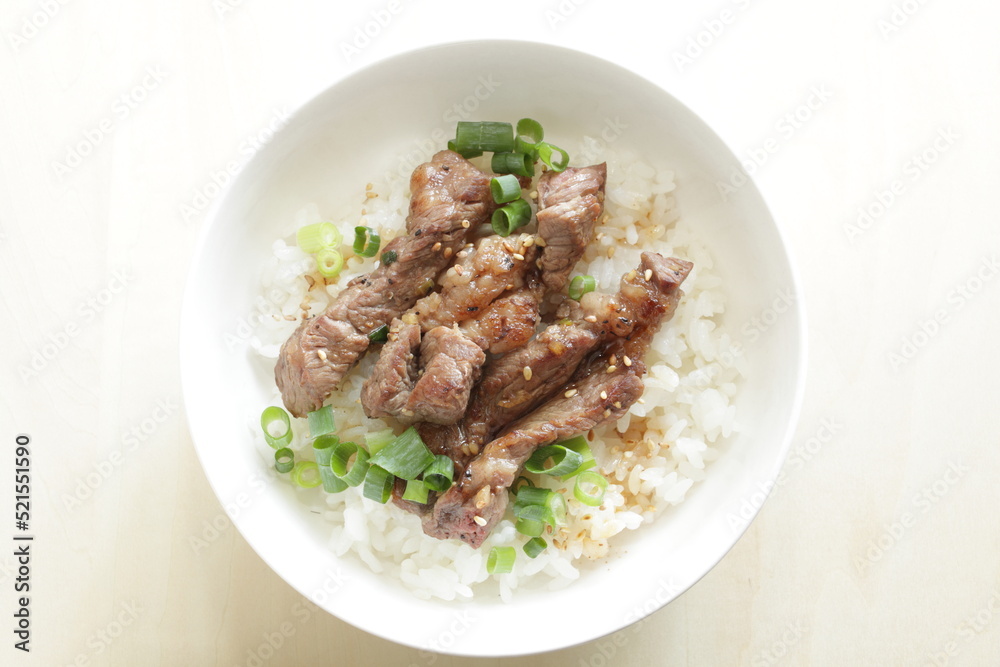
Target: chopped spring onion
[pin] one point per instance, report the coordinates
(354, 474)
(534, 546)
(378, 439)
(531, 495)
(277, 426)
(546, 151)
(388, 257)
(505, 188)
(416, 491)
(306, 474)
(467, 154)
(329, 262)
(366, 241)
(580, 446)
(284, 459)
(379, 335)
(580, 285)
(521, 164)
(519, 483)
(321, 421)
(500, 560)
(378, 484)
(508, 218)
(595, 496)
(564, 461)
(530, 527)
(313, 238)
(323, 447)
(535, 513)
(539, 505)
(529, 135)
(484, 136)
(557, 505)
(406, 456)
(438, 475)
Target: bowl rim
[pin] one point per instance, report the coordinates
(301, 107)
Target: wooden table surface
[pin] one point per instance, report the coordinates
(871, 126)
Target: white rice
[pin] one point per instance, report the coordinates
(652, 456)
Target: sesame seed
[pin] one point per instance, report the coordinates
(611, 252)
(641, 401)
(527, 372)
(459, 270)
(628, 362)
(604, 395)
(448, 252)
(530, 241)
(473, 448)
(290, 318)
(540, 242)
(606, 217)
(648, 274)
(508, 247)
(371, 195)
(614, 359)
(466, 224)
(533, 194)
(600, 235)
(437, 246)
(369, 186)
(631, 275)
(612, 368)
(518, 256)
(618, 405)
(607, 413)
(591, 318)
(322, 354)
(570, 394)
(408, 413)
(480, 521)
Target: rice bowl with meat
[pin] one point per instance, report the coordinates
(651, 455)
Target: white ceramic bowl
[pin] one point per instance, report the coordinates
(376, 119)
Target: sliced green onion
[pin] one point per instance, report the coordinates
(508, 218)
(277, 426)
(521, 164)
(438, 475)
(557, 506)
(594, 497)
(366, 241)
(535, 513)
(519, 483)
(352, 475)
(313, 238)
(378, 484)
(530, 495)
(505, 188)
(545, 153)
(564, 461)
(467, 154)
(388, 257)
(416, 491)
(378, 439)
(406, 456)
(329, 262)
(379, 335)
(580, 446)
(323, 447)
(501, 560)
(530, 131)
(530, 527)
(534, 546)
(484, 136)
(321, 421)
(580, 285)
(306, 474)
(284, 459)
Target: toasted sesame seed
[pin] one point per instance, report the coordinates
(540, 242)
(607, 413)
(473, 448)
(437, 246)
(408, 413)
(606, 217)
(604, 395)
(480, 521)
(600, 235)
(533, 194)
(518, 256)
(371, 195)
(628, 362)
(466, 224)
(482, 497)
(641, 401)
(322, 354)
(612, 368)
(508, 247)
(448, 252)
(631, 275)
(527, 372)
(611, 252)
(570, 394)
(290, 318)
(618, 405)
(459, 270)
(369, 186)
(538, 262)
(591, 318)
(530, 241)
(648, 274)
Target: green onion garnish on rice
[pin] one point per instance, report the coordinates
(406, 456)
(313, 238)
(467, 154)
(501, 560)
(323, 447)
(416, 491)
(284, 459)
(321, 422)
(580, 285)
(376, 440)
(521, 164)
(505, 188)
(589, 488)
(277, 426)
(306, 474)
(534, 546)
(366, 241)
(438, 475)
(352, 474)
(563, 461)
(530, 527)
(378, 484)
(508, 218)
(329, 262)
(579, 445)
(529, 134)
(546, 152)
(484, 136)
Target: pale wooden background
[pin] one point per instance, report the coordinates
(808, 584)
